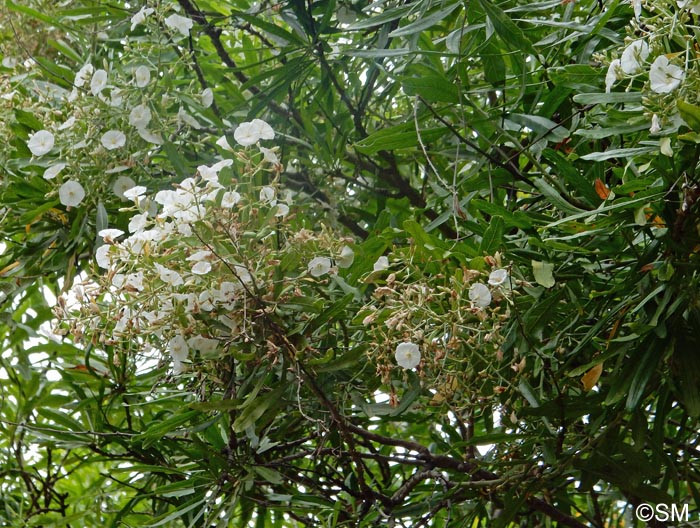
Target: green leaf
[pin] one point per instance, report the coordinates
(397, 137)
(101, 222)
(494, 65)
(541, 312)
(347, 361)
(330, 314)
(610, 97)
(432, 88)
(179, 512)
(376, 53)
(575, 76)
(619, 153)
(270, 475)
(509, 32)
(33, 13)
(28, 119)
(554, 197)
(623, 204)
(257, 408)
(543, 273)
(511, 219)
(543, 126)
(176, 158)
(387, 15)
(620, 130)
(424, 22)
(493, 236)
(690, 114)
(156, 431)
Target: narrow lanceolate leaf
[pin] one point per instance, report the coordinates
(402, 136)
(554, 197)
(619, 153)
(506, 29)
(611, 97)
(542, 126)
(424, 22)
(256, 409)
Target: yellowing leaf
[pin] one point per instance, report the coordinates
(590, 378)
(601, 190)
(543, 273)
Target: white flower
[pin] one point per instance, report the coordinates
(347, 255)
(692, 5)
(180, 24)
(115, 98)
(207, 97)
(267, 194)
(84, 74)
(637, 8)
(140, 116)
(138, 222)
(108, 235)
(113, 139)
(134, 192)
(249, 133)
(151, 137)
(102, 256)
(223, 143)
(68, 123)
(40, 142)
(179, 351)
(121, 185)
(269, 156)
(140, 17)
(381, 264)
(71, 193)
(229, 199)
(142, 76)
(319, 266)
(611, 76)
(201, 267)
(634, 56)
(169, 276)
(407, 355)
(135, 280)
(498, 277)
(53, 171)
(206, 346)
(282, 210)
(480, 295)
(98, 82)
(9, 62)
(655, 127)
(242, 274)
(664, 77)
(184, 117)
(118, 279)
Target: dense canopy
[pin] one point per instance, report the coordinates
(334, 263)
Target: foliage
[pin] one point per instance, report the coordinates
(333, 264)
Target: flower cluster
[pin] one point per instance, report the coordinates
(664, 76)
(657, 53)
(444, 328)
(97, 139)
(200, 267)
